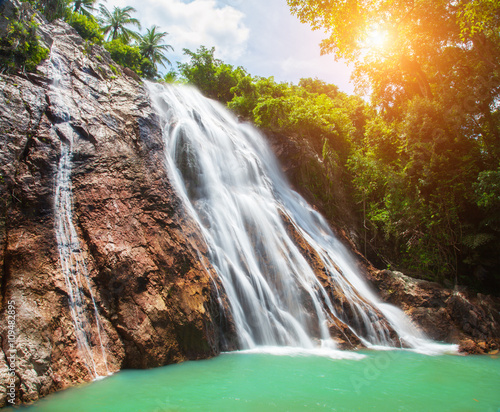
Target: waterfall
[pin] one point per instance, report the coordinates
(288, 279)
(89, 332)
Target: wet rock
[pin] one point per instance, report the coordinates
(459, 316)
(346, 326)
(145, 259)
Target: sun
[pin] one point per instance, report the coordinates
(376, 38)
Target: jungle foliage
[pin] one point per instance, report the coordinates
(420, 162)
(20, 48)
(426, 171)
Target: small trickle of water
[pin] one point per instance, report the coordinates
(89, 332)
(266, 243)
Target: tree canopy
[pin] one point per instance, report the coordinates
(85, 7)
(151, 47)
(212, 76)
(114, 23)
(423, 47)
(428, 165)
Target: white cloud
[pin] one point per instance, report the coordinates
(192, 24)
(260, 35)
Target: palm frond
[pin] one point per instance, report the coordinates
(151, 47)
(113, 23)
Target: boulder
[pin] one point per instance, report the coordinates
(460, 316)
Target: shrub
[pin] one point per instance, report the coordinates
(125, 55)
(20, 48)
(130, 56)
(86, 27)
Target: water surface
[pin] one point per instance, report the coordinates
(346, 381)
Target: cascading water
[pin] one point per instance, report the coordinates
(88, 329)
(265, 242)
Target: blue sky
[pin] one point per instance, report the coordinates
(260, 35)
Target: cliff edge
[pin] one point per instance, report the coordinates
(152, 295)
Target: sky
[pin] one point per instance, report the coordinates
(259, 35)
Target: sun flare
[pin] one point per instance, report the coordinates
(376, 38)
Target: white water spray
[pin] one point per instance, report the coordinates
(89, 332)
(261, 236)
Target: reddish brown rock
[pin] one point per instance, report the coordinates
(469, 319)
(144, 256)
(344, 328)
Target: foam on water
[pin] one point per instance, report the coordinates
(297, 351)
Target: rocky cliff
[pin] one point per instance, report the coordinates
(446, 315)
(153, 296)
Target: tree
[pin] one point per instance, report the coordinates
(150, 46)
(130, 56)
(427, 46)
(426, 168)
(86, 26)
(170, 77)
(51, 9)
(20, 47)
(211, 76)
(113, 23)
(85, 7)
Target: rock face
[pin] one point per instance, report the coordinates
(321, 184)
(457, 316)
(155, 300)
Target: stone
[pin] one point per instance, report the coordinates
(459, 316)
(145, 258)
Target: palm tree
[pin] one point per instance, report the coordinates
(113, 24)
(150, 46)
(85, 7)
(52, 9)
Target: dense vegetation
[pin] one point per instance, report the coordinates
(420, 163)
(21, 49)
(428, 168)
